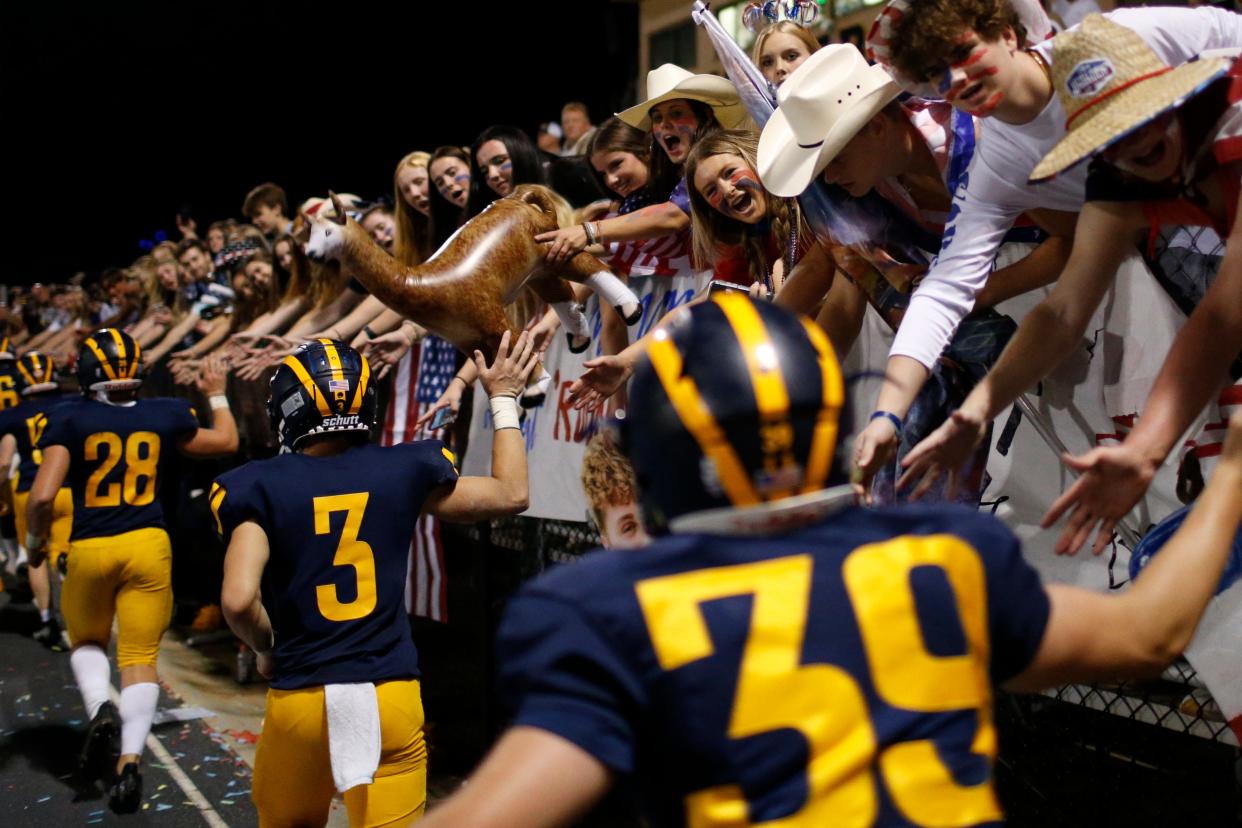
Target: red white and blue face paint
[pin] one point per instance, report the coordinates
(969, 81)
(673, 123)
(451, 176)
(732, 188)
(493, 160)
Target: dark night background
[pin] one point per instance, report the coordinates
(118, 114)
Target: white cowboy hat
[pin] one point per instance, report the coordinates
(670, 82)
(820, 107)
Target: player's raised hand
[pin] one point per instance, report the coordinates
(212, 376)
(507, 375)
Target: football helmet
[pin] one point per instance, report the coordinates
(35, 370)
(736, 403)
(323, 386)
(109, 360)
(7, 352)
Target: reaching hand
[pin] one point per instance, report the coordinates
(451, 399)
(1112, 480)
(564, 243)
(875, 446)
(212, 377)
(947, 449)
(544, 329)
(601, 379)
(384, 352)
(508, 374)
(187, 226)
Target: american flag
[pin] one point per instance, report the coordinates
(420, 379)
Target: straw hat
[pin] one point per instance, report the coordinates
(820, 108)
(671, 82)
(1111, 83)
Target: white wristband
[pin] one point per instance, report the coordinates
(218, 401)
(34, 542)
(504, 412)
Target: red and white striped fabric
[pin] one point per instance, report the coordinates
(1210, 441)
(426, 587)
(662, 256)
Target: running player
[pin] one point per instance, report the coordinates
(8, 398)
(315, 579)
(111, 449)
(21, 427)
(784, 656)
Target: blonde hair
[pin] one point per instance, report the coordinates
(412, 244)
(607, 477)
(711, 230)
(783, 27)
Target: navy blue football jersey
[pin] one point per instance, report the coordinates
(836, 675)
(338, 529)
(27, 422)
(9, 394)
(118, 455)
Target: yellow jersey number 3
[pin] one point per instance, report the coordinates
(823, 701)
(350, 551)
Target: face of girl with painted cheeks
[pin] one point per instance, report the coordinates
(452, 178)
(1153, 152)
(978, 73)
(673, 123)
(782, 53)
(413, 183)
(623, 172)
(497, 167)
(732, 188)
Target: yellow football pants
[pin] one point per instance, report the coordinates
(62, 520)
(127, 575)
(293, 784)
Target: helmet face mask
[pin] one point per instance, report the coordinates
(737, 404)
(109, 360)
(324, 387)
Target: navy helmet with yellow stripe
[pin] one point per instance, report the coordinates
(36, 373)
(324, 386)
(737, 403)
(109, 360)
(7, 352)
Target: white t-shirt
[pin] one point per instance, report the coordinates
(995, 191)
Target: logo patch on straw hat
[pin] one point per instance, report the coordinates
(1089, 77)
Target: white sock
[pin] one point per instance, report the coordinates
(611, 289)
(572, 318)
(91, 671)
(45, 614)
(138, 703)
(9, 547)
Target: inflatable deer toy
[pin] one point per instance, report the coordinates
(460, 293)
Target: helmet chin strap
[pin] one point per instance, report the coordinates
(102, 396)
(782, 515)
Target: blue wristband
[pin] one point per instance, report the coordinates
(892, 418)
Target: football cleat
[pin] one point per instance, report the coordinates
(103, 742)
(125, 795)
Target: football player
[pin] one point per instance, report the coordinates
(21, 427)
(783, 655)
(111, 449)
(315, 580)
(8, 398)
